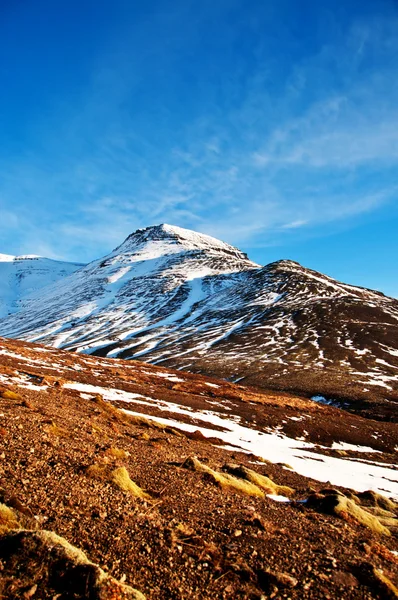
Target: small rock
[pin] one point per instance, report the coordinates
(344, 578)
(270, 579)
(30, 592)
(237, 533)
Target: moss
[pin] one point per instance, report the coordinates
(8, 519)
(184, 530)
(174, 431)
(107, 407)
(262, 481)
(390, 522)
(225, 481)
(121, 478)
(49, 538)
(95, 429)
(384, 552)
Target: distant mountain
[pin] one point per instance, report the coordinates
(178, 298)
(21, 276)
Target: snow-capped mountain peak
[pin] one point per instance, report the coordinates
(170, 239)
(184, 299)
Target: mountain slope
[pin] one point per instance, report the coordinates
(21, 276)
(153, 278)
(232, 495)
(182, 299)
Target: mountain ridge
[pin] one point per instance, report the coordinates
(181, 299)
(184, 237)
(21, 276)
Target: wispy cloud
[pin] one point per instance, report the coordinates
(294, 224)
(250, 160)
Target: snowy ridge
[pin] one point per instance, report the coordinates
(175, 239)
(7, 258)
(21, 276)
(182, 299)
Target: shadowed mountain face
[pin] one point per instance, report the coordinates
(178, 298)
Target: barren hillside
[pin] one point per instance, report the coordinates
(181, 486)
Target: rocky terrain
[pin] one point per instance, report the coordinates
(181, 299)
(121, 479)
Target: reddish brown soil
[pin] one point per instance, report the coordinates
(193, 539)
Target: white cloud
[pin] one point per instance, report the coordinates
(295, 224)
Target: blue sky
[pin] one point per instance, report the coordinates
(271, 125)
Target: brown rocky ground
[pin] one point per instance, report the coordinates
(183, 533)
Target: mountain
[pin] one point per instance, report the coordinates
(21, 276)
(182, 486)
(174, 297)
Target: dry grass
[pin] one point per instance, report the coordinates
(391, 591)
(121, 478)
(8, 519)
(333, 502)
(72, 553)
(98, 471)
(108, 408)
(143, 421)
(265, 461)
(35, 559)
(55, 430)
(10, 395)
(117, 453)
(371, 498)
(261, 481)
(203, 549)
(347, 509)
(225, 481)
(27, 404)
(123, 417)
